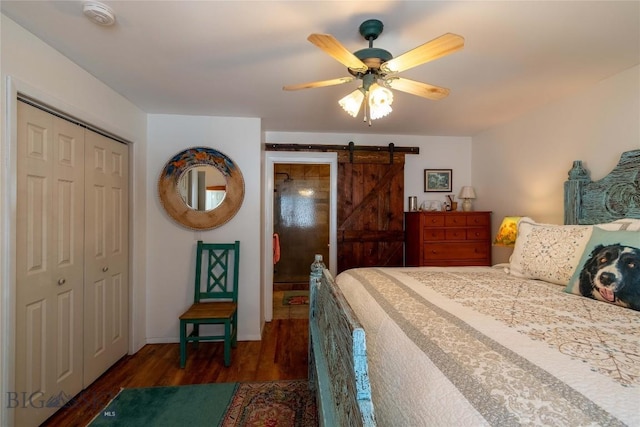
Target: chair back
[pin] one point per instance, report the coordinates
(217, 266)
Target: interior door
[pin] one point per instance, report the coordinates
(370, 210)
(106, 302)
(49, 264)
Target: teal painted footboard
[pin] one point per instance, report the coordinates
(338, 369)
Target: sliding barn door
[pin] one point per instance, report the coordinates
(370, 210)
(49, 265)
(106, 306)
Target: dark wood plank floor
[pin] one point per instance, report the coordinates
(281, 355)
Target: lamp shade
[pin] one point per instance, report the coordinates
(467, 193)
(352, 102)
(380, 100)
(508, 231)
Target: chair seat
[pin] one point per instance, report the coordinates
(210, 310)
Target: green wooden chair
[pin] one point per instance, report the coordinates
(216, 297)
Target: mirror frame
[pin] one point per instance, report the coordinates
(177, 208)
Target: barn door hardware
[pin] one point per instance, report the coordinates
(340, 148)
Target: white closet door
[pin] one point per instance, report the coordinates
(49, 266)
(106, 298)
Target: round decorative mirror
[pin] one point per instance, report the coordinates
(201, 188)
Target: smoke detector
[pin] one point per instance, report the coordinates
(99, 13)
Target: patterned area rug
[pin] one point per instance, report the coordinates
(274, 403)
(296, 298)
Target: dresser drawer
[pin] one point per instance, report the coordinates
(455, 234)
(477, 233)
(434, 221)
(431, 234)
(477, 220)
(455, 220)
(450, 251)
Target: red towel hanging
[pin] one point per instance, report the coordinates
(276, 248)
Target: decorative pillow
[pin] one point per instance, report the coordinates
(609, 269)
(548, 252)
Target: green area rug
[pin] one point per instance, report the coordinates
(270, 403)
(295, 298)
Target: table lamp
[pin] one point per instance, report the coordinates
(467, 193)
(508, 232)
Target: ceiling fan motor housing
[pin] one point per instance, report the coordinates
(371, 56)
(373, 52)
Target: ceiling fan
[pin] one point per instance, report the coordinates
(377, 69)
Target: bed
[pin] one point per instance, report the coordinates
(512, 344)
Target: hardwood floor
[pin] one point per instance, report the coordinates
(281, 355)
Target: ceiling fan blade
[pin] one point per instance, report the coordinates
(322, 83)
(417, 88)
(333, 47)
(434, 49)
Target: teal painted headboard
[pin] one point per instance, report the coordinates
(615, 196)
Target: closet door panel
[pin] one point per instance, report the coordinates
(106, 262)
(49, 262)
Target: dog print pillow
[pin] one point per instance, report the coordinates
(609, 269)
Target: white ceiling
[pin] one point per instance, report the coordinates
(231, 58)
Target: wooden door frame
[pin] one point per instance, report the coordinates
(271, 159)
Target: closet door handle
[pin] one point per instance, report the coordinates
(61, 281)
(105, 269)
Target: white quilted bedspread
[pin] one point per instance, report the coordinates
(474, 346)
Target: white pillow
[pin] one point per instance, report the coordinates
(548, 252)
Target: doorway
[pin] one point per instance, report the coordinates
(301, 230)
(301, 171)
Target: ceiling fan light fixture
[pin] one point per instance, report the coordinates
(380, 100)
(352, 102)
(373, 65)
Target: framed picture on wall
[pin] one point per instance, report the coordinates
(437, 180)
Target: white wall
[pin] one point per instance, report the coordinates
(32, 67)
(521, 166)
(171, 247)
(436, 152)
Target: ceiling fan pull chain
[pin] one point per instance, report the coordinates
(367, 107)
